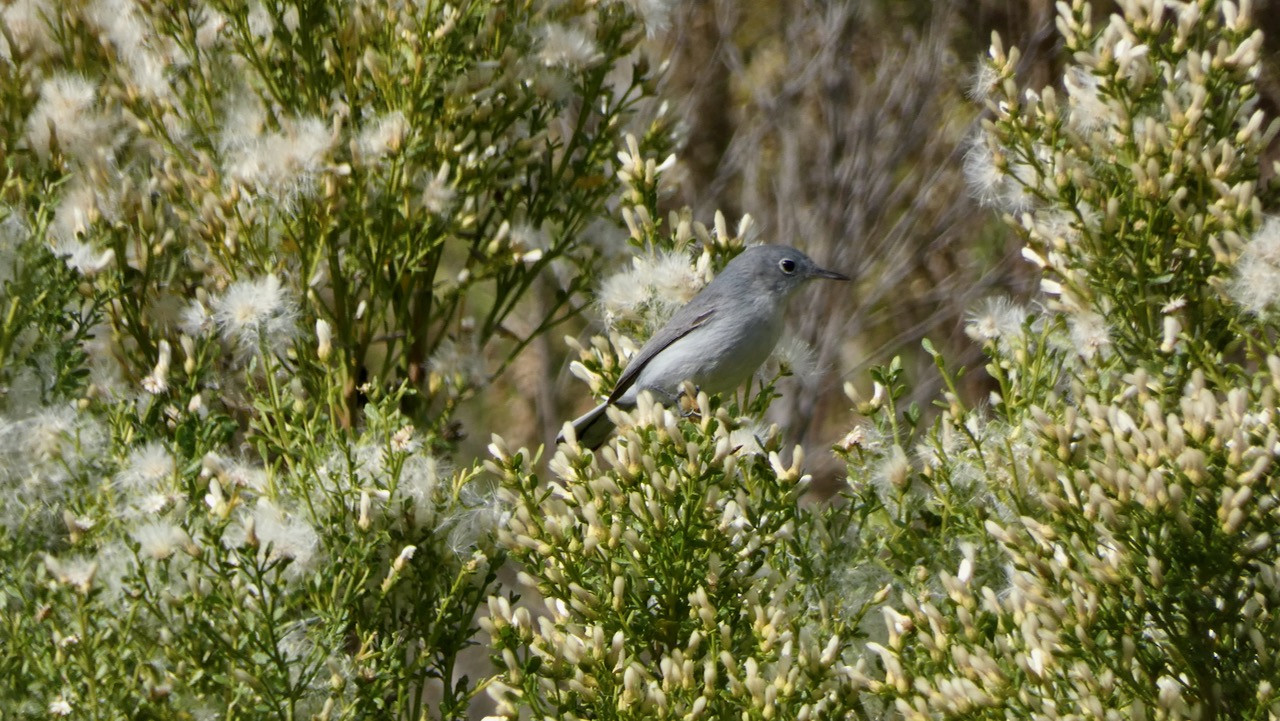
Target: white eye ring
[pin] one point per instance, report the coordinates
(787, 266)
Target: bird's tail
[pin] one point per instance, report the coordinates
(592, 428)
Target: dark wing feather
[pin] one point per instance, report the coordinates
(673, 331)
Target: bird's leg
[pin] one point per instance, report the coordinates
(688, 399)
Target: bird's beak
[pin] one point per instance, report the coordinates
(829, 274)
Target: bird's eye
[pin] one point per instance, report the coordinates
(787, 265)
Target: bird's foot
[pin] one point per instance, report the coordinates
(687, 401)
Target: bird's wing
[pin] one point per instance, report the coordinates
(673, 331)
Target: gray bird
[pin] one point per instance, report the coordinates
(717, 340)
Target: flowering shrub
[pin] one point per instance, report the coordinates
(1101, 535)
(252, 257)
(673, 573)
(1098, 539)
(680, 578)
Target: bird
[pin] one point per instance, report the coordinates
(717, 340)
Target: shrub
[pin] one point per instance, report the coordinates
(1101, 534)
(253, 257)
(1098, 538)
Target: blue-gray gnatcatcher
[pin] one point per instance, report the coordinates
(717, 340)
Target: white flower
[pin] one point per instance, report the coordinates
(418, 484)
(47, 449)
(1169, 336)
(985, 177)
(855, 438)
(998, 318)
(119, 23)
(894, 471)
(77, 209)
(568, 47)
(438, 195)
(1257, 284)
(406, 555)
(284, 163)
(800, 358)
(66, 112)
(149, 466)
(243, 124)
(1089, 333)
(157, 381)
(25, 23)
(459, 366)
(160, 539)
(405, 440)
(654, 14)
(76, 571)
(468, 526)
(256, 312)
(196, 319)
(1127, 55)
(243, 475)
(528, 238)
(1017, 194)
(51, 434)
(383, 137)
(84, 258)
(60, 707)
(983, 82)
(153, 503)
(80, 206)
(295, 645)
(659, 283)
(286, 535)
(1088, 110)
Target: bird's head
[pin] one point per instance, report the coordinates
(779, 270)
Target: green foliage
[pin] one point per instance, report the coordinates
(1101, 538)
(408, 172)
(1136, 192)
(253, 256)
(340, 583)
(680, 573)
(1098, 539)
(41, 345)
(681, 577)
